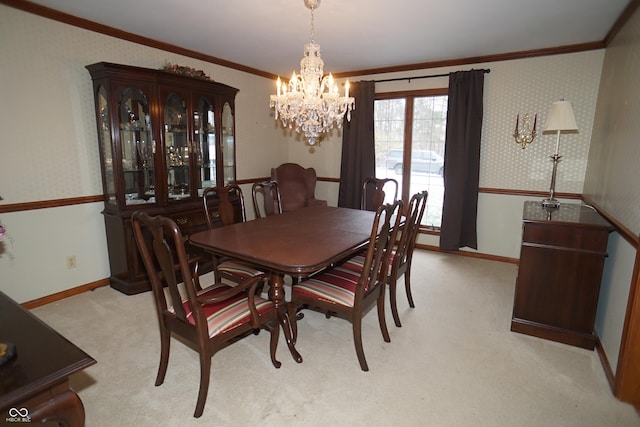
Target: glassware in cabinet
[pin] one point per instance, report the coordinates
(177, 146)
(228, 144)
(204, 119)
(137, 147)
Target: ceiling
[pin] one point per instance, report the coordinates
(269, 35)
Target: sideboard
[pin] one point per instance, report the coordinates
(561, 262)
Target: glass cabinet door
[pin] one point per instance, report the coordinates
(136, 147)
(228, 145)
(177, 147)
(205, 149)
(104, 139)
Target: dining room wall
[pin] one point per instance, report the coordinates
(50, 147)
(516, 86)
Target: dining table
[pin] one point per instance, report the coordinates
(295, 243)
(34, 383)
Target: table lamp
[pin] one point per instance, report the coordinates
(560, 119)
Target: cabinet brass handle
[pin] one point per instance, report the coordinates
(182, 221)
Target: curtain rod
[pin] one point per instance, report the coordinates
(421, 77)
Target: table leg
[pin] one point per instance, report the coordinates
(276, 294)
(63, 407)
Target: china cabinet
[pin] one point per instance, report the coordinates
(163, 137)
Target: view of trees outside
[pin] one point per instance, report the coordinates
(426, 129)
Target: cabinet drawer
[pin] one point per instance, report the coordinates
(190, 221)
(565, 236)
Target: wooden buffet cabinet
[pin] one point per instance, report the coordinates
(561, 261)
(163, 138)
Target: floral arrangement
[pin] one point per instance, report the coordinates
(185, 71)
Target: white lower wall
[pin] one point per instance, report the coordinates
(614, 294)
(33, 259)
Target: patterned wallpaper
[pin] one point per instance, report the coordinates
(530, 86)
(49, 142)
(49, 139)
(526, 86)
(612, 174)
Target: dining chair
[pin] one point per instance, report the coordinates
(349, 293)
(269, 193)
(373, 194)
(207, 320)
(402, 253)
(218, 203)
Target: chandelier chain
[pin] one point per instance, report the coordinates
(310, 102)
(312, 27)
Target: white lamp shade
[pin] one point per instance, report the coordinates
(560, 117)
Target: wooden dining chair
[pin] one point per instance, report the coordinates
(208, 319)
(269, 193)
(348, 292)
(373, 192)
(403, 252)
(218, 203)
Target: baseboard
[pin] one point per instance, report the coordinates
(469, 254)
(65, 294)
(604, 360)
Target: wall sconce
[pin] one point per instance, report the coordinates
(559, 119)
(525, 134)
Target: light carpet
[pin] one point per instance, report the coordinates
(454, 362)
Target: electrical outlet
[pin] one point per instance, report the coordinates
(71, 261)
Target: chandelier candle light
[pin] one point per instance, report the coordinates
(560, 119)
(310, 102)
(524, 135)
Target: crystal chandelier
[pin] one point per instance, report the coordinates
(310, 102)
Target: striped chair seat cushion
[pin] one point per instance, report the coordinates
(238, 270)
(226, 315)
(336, 285)
(356, 263)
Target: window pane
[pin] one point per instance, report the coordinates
(389, 138)
(427, 155)
(428, 129)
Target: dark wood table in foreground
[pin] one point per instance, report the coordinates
(296, 243)
(34, 386)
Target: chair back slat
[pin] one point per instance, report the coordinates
(373, 192)
(383, 235)
(160, 243)
(226, 211)
(269, 192)
(409, 231)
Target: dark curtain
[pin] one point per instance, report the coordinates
(462, 160)
(358, 148)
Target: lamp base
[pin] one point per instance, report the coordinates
(550, 203)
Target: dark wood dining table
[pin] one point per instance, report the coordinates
(34, 385)
(297, 243)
